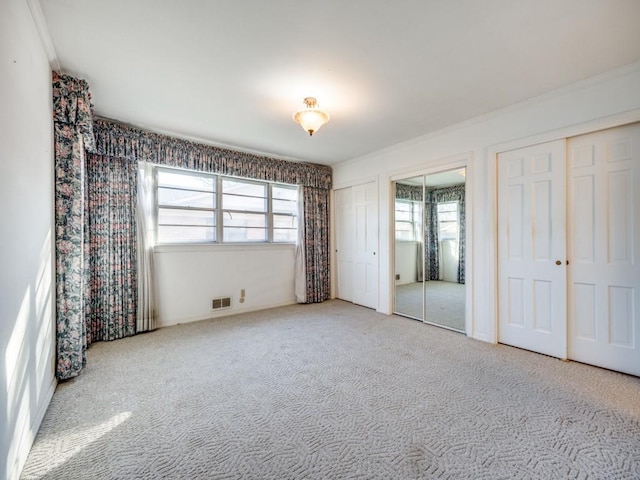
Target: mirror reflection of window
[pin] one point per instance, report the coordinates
(408, 220)
(448, 221)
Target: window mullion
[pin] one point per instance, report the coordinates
(219, 210)
(270, 213)
(155, 213)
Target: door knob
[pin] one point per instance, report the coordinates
(558, 262)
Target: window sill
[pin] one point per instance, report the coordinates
(223, 247)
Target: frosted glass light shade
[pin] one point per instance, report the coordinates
(311, 118)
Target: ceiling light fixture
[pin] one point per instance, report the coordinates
(311, 118)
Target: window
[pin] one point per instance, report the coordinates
(186, 207)
(448, 221)
(245, 208)
(285, 213)
(195, 207)
(407, 218)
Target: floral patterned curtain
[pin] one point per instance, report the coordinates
(73, 134)
(431, 259)
(409, 192)
(111, 256)
(454, 193)
(316, 243)
(119, 140)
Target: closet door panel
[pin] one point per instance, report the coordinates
(604, 247)
(344, 243)
(531, 242)
(366, 245)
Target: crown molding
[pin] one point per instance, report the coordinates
(589, 82)
(43, 33)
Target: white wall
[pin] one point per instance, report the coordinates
(601, 102)
(448, 251)
(189, 277)
(406, 262)
(26, 197)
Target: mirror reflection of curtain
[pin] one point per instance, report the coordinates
(431, 260)
(434, 196)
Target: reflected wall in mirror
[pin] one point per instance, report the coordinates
(409, 247)
(433, 290)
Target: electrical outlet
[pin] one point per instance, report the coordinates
(397, 276)
(241, 300)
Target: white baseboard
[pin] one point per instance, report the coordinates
(222, 313)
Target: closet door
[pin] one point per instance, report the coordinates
(365, 199)
(604, 247)
(345, 240)
(532, 249)
(356, 212)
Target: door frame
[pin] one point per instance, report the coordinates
(459, 161)
(583, 128)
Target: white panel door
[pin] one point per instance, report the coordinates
(532, 249)
(365, 201)
(345, 239)
(604, 248)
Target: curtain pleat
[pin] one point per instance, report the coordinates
(316, 242)
(72, 124)
(111, 199)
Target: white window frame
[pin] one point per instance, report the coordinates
(413, 222)
(456, 221)
(219, 210)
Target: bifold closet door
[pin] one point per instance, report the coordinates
(356, 249)
(365, 199)
(532, 249)
(604, 246)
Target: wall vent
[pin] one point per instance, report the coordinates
(220, 303)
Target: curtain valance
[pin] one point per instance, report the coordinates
(454, 193)
(72, 108)
(408, 192)
(118, 140)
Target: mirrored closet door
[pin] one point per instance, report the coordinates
(429, 251)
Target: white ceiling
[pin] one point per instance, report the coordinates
(233, 72)
(441, 179)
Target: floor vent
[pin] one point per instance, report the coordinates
(220, 303)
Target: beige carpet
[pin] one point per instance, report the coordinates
(445, 302)
(334, 391)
